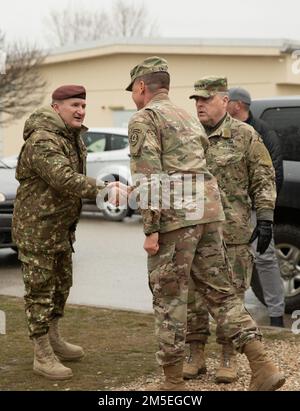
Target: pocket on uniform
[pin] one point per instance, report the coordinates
(228, 159)
(242, 264)
(228, 268)
(232, 168)
(37, 270)
(249, 268)
(162, 271)
(45, 261)
(166, 336)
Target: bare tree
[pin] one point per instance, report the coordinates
(78, 25)
(21, 84)
(128, 20)
(2, 37)
(74, 26)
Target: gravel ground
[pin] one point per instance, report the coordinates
(284, 352)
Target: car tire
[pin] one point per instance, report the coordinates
(112, 213)
(287, 240)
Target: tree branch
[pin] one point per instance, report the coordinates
(21, 86)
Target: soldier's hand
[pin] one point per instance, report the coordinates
(118, 193)
(263, 233)
(151, 245)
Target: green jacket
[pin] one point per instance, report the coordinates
(51, 168)
(166, 141)
(243, 167)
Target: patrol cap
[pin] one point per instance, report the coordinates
(239, 94)
(69, 91)
(152, 64)
(209, 86)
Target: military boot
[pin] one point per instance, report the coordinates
(227, 371)
(265, 375)
(45, 362)
(64, 350)
(195, 364)
(173, 379)
(277, 322)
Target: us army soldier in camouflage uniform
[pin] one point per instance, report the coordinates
(51, 168)
(164, 139)
(240, 161)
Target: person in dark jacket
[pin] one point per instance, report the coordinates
(266, 264)
(239, 107)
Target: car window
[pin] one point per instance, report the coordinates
(286, 122)
(95, 142)
(2, 164)
(117, 142)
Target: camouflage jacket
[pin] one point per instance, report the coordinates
(243, 167)
(51, 168)
(166, 141)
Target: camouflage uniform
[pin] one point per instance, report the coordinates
(243, 167)
(50, 169)
(164, 139)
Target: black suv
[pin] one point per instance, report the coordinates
(8, 188)
(283, 115)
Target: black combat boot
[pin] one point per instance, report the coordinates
(277, 322)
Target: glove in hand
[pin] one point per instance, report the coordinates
(263, 232)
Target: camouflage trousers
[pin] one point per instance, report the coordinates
(241, 260)
(195, 252)
(47, 280)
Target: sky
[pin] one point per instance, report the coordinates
(25, 19)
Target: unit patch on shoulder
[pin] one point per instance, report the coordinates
(133, 138)
(136, 138)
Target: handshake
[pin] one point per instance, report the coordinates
(118, 193)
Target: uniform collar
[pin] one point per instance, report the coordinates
(158, 97)
(224, 129)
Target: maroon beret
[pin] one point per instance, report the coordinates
(69, 91)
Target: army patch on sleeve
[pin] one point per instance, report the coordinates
(263, 155)
(136, 138)
(133, 138)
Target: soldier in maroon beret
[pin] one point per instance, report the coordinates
(69, 102)
(52, 174)
(69, 91)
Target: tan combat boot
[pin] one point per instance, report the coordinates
(64, 350)
(45, 362)
(265, 375)
(227, 371)
(173, 379)
(195, 364)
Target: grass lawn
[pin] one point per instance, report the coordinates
(120, 349)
